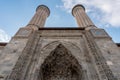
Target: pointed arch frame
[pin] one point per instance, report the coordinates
(47, 49)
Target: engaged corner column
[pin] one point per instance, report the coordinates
(82, 19)
(39, 19)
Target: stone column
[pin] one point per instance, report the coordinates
(82, 19)
(38, 20)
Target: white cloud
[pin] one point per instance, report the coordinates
(110, 9)
(4, 36)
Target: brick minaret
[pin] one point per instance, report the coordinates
(83, 20)
(38, 20)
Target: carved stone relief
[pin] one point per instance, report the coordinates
(104, 71)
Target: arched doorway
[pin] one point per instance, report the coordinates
(60, 65)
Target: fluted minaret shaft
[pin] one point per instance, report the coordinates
(38, 20)
(81, 17)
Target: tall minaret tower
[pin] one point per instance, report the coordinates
(38, 20)
(103, 51)
(81, 17)
(20, 42)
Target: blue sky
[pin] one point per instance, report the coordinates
(17, 13)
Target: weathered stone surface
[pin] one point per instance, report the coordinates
(2, 45)
(111, 54)
(1, 48)
(10, 54)
(60, 54)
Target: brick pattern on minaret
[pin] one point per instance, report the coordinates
(81, 17)
(38, 20)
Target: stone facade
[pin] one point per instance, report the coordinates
(2, 45)
(118, 44)
(38, 53)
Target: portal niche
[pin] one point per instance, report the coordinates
(60, 65)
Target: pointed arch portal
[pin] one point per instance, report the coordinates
(60, 65)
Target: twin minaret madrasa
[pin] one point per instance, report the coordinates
(39, 53)
(42, 12)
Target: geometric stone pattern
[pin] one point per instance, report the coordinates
(99, 60)
(111, 54)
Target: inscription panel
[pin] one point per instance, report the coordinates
(99, 33)
(23, 32)
(61, 33)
